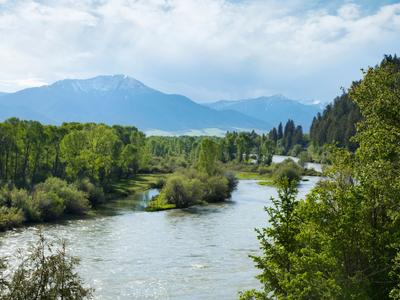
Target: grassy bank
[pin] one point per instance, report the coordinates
(265, 179)
(55, 200)
(137, 184)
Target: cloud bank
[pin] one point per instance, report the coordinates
(205, 49)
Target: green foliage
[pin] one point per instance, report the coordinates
(49, 201)
(189, 187)
(344, 239)
(304, 157)
(289, 140)
(94, 193)
(288, 169)
(22, 200)
(208, 151)
(10, 217)
(49, 204)
(182, 191)
(75, 201)
(31, 152)
(278, 243)
(46, 273)
(337, 124)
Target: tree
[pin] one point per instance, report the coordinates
(45, 274)
(208, 151)
(347, 244)
(280, 131)
(278, 243)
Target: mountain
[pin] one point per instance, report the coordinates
(121, 100)
(273, 109)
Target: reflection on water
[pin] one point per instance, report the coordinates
(197, 253)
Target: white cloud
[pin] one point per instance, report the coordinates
(21, 83)
(206, 49)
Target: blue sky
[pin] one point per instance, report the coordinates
(205, 49)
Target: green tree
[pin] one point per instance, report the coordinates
(278, 243)
(208, 152)
(46, 273)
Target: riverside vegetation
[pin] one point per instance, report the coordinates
(342, 241)
(50, 172)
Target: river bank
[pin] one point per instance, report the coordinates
(196, 253)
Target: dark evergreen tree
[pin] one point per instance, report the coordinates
(337, 124)
(273, 135)
(280, 131)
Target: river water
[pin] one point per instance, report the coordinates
(197, 253)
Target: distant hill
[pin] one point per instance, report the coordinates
(121, 100)
(273, 109)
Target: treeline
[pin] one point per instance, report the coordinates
(342, 241)
(171, 153)
(337, 124)
(49, 172)
(31, 152)
(288, 140)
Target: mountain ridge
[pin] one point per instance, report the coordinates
(120, 99)
(275, 109)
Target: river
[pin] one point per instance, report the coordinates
(197, 253)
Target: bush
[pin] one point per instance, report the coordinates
(287, 169)
(94, 193)
(21, 199)
(295, 151)
(182, 192)
(75, 201)
(216, 189)
(5, 196)
(264, 170)
(232, 181)
(50, 205)
(304, 157)
(189, 187)
(10, 217)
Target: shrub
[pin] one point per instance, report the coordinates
(94, 193)
(287, 169)
(21, 199)
(50, 205)
(216, 189)
(188, 187)
(304, 157)
(5, 196)
(10, 217)
(264, 170)
(232, 181)
(182, 192)
(75, 201)
(295, 151)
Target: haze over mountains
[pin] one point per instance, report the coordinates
(120, 99)
(272, 109)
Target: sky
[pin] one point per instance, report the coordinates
(205, 49)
